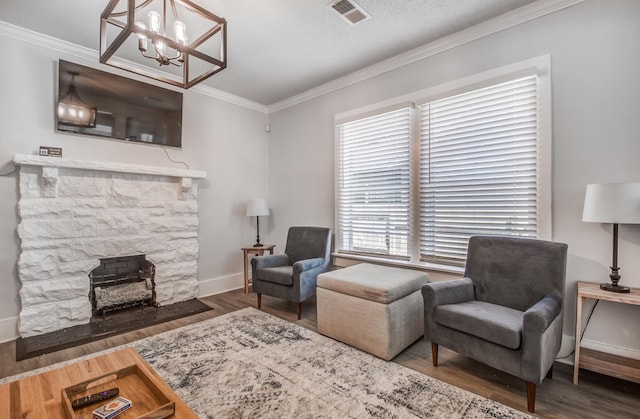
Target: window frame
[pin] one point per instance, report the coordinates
(538, 66)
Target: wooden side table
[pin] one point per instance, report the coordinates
(613, 365)
(258, 251)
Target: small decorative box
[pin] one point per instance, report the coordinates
(112, 409)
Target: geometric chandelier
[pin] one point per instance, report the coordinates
(185, 41)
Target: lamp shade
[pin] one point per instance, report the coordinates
(257, 207)
(616, 203)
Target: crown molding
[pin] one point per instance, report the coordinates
(46, 41)
(68, 48)
(230, 98)
(508, 20)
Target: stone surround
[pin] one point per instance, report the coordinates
(72, 213)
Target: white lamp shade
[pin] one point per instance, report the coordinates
(257, 207)
(615, 203)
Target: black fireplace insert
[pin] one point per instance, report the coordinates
(122, 282)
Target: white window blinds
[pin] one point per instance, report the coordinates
(374, 184)
(478, 168)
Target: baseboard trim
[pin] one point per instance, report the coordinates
(8, 329)
(610, 349)
(220, 284)
(566, 353)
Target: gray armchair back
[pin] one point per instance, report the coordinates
(515, 273)
(308, 243)
(507, 310)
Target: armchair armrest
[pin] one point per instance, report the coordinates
(269, 261)
(541, 337)
(306, 264)
(540, 315)
(448, 292)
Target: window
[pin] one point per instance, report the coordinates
(478, 168)
(374, 178)
(464, 164)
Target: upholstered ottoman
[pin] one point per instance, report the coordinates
(377, 309)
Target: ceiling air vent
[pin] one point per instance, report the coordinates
(350, 11)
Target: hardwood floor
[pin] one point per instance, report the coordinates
(597, 396)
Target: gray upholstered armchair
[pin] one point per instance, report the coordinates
(292, 276)
(507, 310)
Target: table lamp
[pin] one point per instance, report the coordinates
(615, 203)
(257, 208)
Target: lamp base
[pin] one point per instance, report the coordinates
(615, 288)
(258, 245)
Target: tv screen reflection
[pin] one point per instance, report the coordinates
(101, 104)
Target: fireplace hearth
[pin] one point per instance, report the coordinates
(115, 323)
(122, 282)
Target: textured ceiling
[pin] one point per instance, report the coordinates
(280, 48)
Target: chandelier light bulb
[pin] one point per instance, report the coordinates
(142, 40)
(154, 21)
(160, 48)
(181, 32)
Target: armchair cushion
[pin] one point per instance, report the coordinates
(282, 275)
(498, 324)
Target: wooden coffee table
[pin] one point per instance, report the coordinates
(41, 395)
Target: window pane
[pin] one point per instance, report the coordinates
(478, 171)
(374, 180)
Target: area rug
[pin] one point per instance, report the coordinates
(249, 364)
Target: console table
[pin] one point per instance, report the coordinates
(40, 395)
(253, 250)
(613, 365)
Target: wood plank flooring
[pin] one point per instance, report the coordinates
(597, 396)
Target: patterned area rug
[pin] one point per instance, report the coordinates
(249, 364)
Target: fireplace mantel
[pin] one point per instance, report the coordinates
(26, 159)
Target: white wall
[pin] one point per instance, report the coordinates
(225, 140)
(595, 139)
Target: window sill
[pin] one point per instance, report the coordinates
(424, 266)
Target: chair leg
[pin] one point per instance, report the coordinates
(299, 310)
(531, 396)
(259, 300)
(550, 373)
(434, 354)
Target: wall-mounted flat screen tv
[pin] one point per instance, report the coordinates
(101, 104)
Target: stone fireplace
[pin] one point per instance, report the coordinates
(74, 214)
